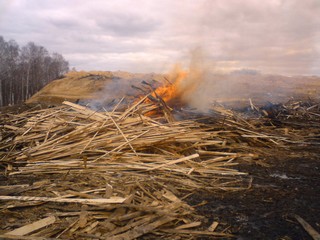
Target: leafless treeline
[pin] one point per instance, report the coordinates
(24, 71)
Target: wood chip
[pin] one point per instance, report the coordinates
(213, 226)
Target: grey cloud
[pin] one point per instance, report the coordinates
(64, 23)
(273, 35)
(126, 24)
(266, 32)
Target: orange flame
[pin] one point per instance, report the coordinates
(182, 87)
(173, 90)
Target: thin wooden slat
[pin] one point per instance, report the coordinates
(24, 230)
(188, 225)
(193, 156)
(86, 111)
(133, 107)
(213, 226)
(312, 232)
(95, 201)
(198, 233)
(141, 230)
(7, 236)
(119, 129)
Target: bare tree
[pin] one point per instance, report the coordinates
(25, 71)
(9, 55)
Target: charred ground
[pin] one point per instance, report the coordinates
(283, 187)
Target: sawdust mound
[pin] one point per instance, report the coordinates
(89, 85)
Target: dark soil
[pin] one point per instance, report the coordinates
(289, 186)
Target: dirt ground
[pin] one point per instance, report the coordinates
(289, 186)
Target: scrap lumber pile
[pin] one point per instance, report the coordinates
(281, 125)
(72, 172)
(76, 138)
(293, 109)
(77, 173)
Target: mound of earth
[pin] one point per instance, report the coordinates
(93, 85)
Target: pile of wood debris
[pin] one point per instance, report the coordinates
(76, 173)
(115, 175)
(293, 109)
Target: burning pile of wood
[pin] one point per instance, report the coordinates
(114, 175)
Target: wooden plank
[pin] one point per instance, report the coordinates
(193, 232)
(6, 236)
(11, 127)
(133, 107)
(96, 201)
(123, 135)
(32, 226)
(213, 226)
(193, 156)
(170, 196)
(189, 225)
(91, 226)
(142, 230)
(312, 232)
(203, 152)
(118, 231)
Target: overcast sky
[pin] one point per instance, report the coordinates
(272, 36)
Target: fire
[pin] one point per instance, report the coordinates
(173, 90)
(171, 93)
(179, 90)
(182, 86)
